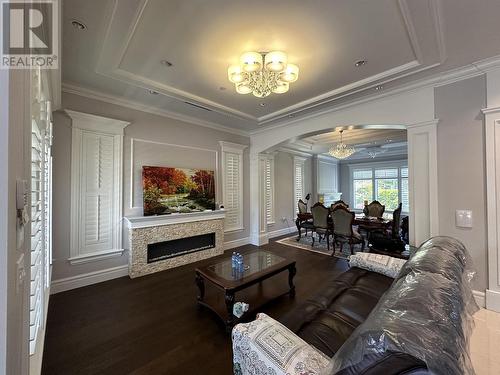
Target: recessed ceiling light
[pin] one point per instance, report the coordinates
(166, 63)
(360, 63)
(379, 87)
(291, 116)
(222, 88)
(262, 104)
(153, 92)
(78, 25)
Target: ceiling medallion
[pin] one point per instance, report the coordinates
(341, 150)
(262, 73)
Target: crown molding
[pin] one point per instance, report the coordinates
(294, 152)
(87, 121)
(70, 88)
(437, 80)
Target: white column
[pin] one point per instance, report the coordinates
(423, 181)
(492, 147)
(258, 234)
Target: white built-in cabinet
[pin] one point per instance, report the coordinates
(96, 187)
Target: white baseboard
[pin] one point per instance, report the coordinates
(85, 279)
(236, 243)
(480, 298)
(493, 300)
(281, 232)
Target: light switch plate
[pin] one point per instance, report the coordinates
(463, 218)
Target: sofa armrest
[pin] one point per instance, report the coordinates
(265, 346)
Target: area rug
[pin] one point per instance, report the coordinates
(319, 247)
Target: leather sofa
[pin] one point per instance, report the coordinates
(363, 322)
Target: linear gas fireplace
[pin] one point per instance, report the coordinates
(158, 243)
(181, 246)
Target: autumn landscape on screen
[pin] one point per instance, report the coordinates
(177, 190)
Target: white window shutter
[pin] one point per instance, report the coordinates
(96, 187)
(298, 180)
(269, 189)
(232, 184)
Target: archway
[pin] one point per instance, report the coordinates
(413, 111)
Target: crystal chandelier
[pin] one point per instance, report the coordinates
(263, 73)
(341, 150)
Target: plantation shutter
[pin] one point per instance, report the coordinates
(269, 189)
(298, 180)
(37, 241)
(232, 184)
(97, 189)
(232, 191)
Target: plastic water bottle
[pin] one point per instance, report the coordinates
(240, 263)
(233, 260)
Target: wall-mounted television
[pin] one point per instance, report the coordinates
(169, 190)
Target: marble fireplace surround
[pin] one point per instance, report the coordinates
(144, 230)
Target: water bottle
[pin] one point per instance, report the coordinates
(241, 265)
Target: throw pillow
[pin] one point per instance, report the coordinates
(383, 264)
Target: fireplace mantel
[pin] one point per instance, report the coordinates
(145, 231)
(153, 221)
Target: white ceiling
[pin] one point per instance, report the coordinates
(120, 52)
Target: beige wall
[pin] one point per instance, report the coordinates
(461, 166)
(143, 126)
(284, 206)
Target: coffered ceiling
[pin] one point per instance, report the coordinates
(120, 53)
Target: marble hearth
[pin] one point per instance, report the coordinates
(198, 229)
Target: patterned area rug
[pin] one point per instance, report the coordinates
(319, 247)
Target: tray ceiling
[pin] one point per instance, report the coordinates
(121, 51)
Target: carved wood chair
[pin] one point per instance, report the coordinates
(343, 231)
(321, 225)
(338, 203)
(376, 209)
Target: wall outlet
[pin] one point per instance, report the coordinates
(463, 218)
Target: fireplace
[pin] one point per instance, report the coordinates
(181, 246)
(158, 243)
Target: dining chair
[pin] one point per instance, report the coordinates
(338, 203)
(376, 209)
(390, 239)
(343, 231)
(302, 206)
(321, 225)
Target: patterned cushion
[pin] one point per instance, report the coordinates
(265, 346)
(382, 264)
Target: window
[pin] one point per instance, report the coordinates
(96, 187)
(298, 180)
(40, 214)
(269, 188)
(387, 184)
(232, 184)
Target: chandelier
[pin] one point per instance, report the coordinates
(262, 73)
(341, 150)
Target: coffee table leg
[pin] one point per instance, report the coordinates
(229, 297)
(292, 271)
(201, 286)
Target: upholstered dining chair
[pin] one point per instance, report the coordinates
(390, 240)
(339, 203)
(302, 206)
(343, 231)
(376, 209)
(321, 225)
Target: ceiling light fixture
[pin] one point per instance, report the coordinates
(262, 73)
(360, 63)
(166, 63)
(341, 150)
(153, 92)
(78, 25)
(379, 87)
(374, 151)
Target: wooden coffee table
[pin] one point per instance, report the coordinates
(252, 286)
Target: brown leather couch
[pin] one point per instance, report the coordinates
(328, 319)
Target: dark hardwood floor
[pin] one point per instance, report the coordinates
(151, 325)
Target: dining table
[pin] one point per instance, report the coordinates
(367, 223)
